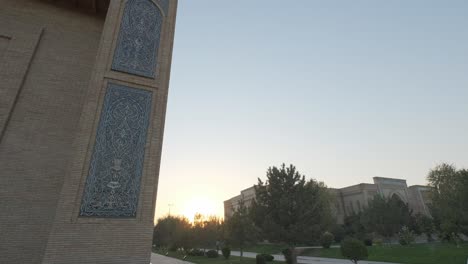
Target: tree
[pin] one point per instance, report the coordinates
(385, 216)
(240, 228)
(199, 238)
(172, 232)
(327, 239)
(353, 226)
(226, 252)
(290, 209)
(406, 236)
(213, 228)
(422, 224)
(206, 230)
(449, 196)
(338, 232)
(353, 249)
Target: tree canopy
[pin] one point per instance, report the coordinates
(240, 228)
(290, 209)
(172, 232)
(386, 216)
(206, 231)
(449, 198)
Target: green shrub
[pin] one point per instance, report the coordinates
(326, 239)
(287, 255)
(173, 248)
(268, 257)
(339, 233)
(368, 240)
(212, 253)
(260, 259)
(406, 236)
(353, 250)
(226, 252)
(196, 252)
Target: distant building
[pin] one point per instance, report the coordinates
(355, 198)
(230, 205)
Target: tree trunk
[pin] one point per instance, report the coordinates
(242, 254)
(293, 255)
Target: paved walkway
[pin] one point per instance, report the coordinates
(160, 259)
(310, 260)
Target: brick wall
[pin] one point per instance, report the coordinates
(45, 71)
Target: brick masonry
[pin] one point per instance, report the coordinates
(54, 69)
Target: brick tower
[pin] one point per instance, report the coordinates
(82, 107)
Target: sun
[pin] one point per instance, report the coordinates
(199, 204)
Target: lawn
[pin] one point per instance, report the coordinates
(435, 253)
(218, 260)
(264, 248)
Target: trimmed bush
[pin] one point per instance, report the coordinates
(173, 248)
(368, 240)
(327, 239)
(196, 252)
(339, 233)
(212, 253)
(226, 252)
(260, 259)
(268, 257)
(287, 255)
(353, 250)
(406, 236)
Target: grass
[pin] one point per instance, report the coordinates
(218, 260)
(434, 253)
(264, 248)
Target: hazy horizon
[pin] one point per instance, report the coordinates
(345, 91)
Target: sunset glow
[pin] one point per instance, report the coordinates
(199, 204)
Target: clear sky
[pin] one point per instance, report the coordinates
(345, 90)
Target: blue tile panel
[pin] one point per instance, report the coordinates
(164, 4)
(138, 41)
(113, 184)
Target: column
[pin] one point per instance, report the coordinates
(106, 208)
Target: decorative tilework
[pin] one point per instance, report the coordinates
(138, 42)
(164, 4)
(113, 183)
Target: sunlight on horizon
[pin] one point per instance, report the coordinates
(202, 205)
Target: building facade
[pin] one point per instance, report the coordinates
(353, 199)
(83, 94)
(248, 195)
